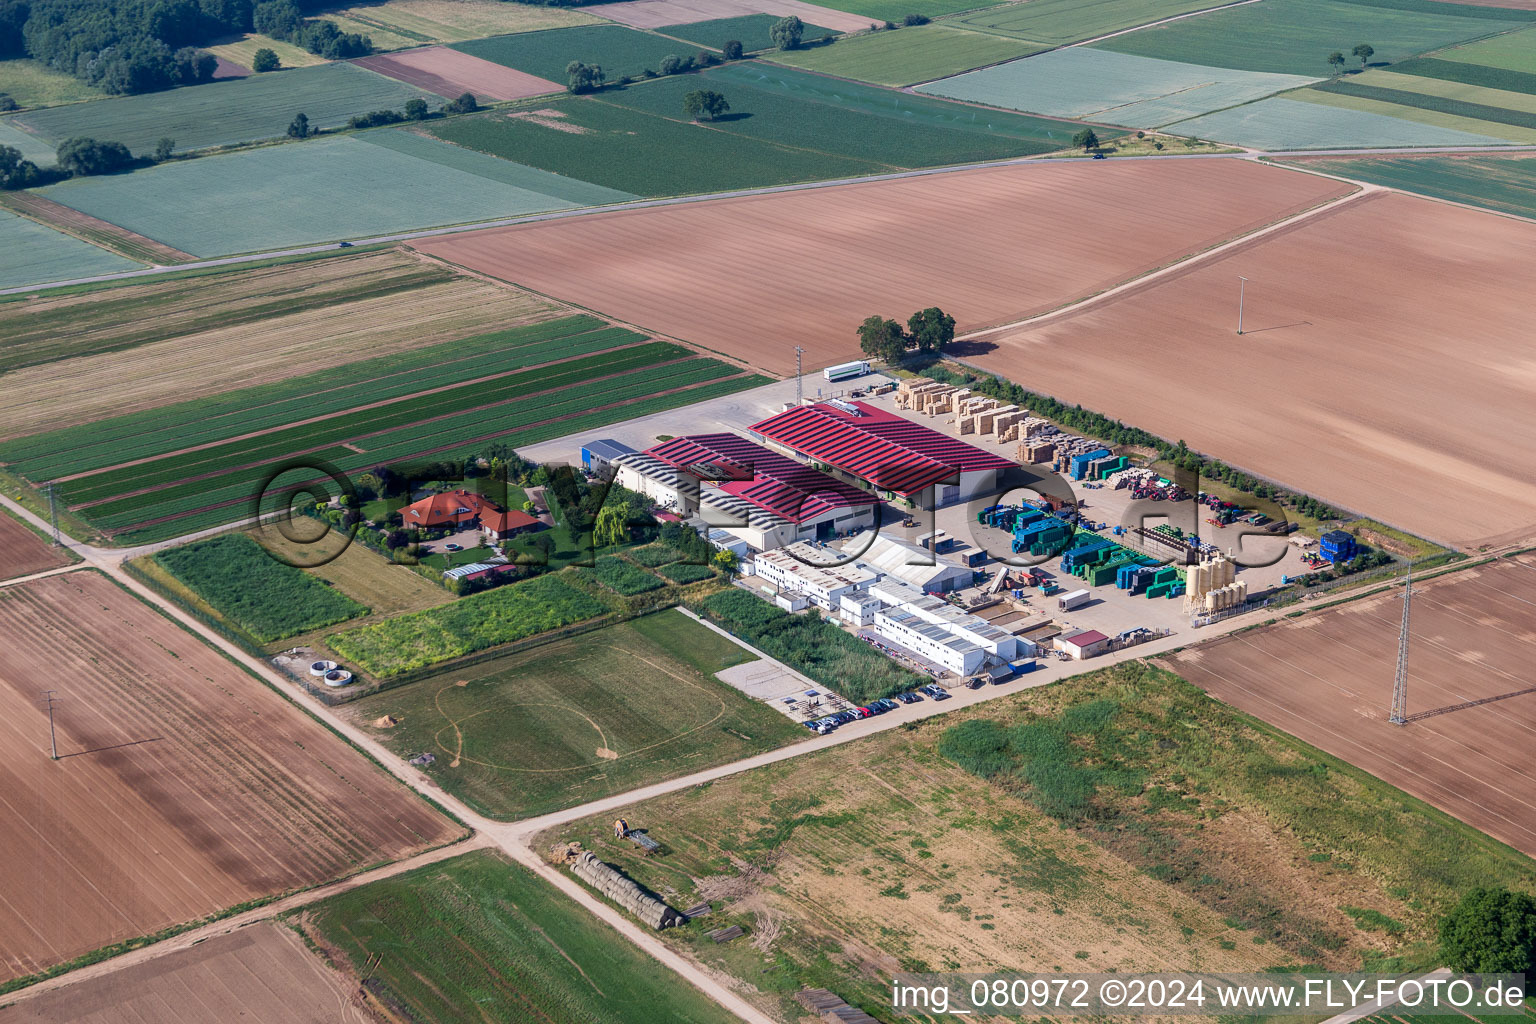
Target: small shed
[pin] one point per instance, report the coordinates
(1083, 645)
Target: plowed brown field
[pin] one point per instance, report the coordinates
(753, 277)
(450, 73)
(260, 973)
(1327, 679)
(23, 552)
(183, 785)
(1386, 367)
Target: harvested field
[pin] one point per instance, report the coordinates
(1327, 679)
(449, 73)
(660, 13)
(242, 49)
(83, 226)
(33, 253)
(262, 972)
(67, 357)
(31, 83)
(184, 785)
(842, 256)
(363, 575)
(393, 24)
(23, 552)
(1433, 438)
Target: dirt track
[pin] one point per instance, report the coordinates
(448, 73)
(1327, 679)
(183, 786)
(755, 276)
(1386, 364)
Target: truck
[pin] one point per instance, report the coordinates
(846, 371)
(1075, 599)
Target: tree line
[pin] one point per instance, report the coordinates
(132, 46)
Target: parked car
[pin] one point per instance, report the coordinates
(910, 697)
(977, 683)
(454, 547)
(864, 712)
(883, 705)
(825, 725)
(844, 717)
(937, 692)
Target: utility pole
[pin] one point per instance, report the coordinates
(1241, 289)
(53, 514)
(1399, 715)
(53, 742)
(799, 398)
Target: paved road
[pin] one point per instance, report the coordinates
(645, 204)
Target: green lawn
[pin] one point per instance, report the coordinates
(1068, 21)
(32, 253)
(579, 719)
(479, 938)
(31, 83)
(227, 112)
(410, 181)
(750, 30)
(1296, 36)
(617, 49)
(1503, 183)
(265, 598)
(910, 55)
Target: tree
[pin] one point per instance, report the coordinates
(165, 149)
(726, 560)
(7, 103)
(1087, 139)
(299, 128)
(582, 77)
(915, 19)
(786, 32)
(1491, 931)
(1336, 61)
(672, 64)
(932, 329)
(265, 59)
(706, 102)
(1364, 51)
(16, 171)
(464, 103)
(528, 507)
(732, 49)
(882, 339)
(82, 156)
(612, 527)
(416, 109)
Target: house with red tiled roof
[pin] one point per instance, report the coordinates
(506, 524)
(464, 510)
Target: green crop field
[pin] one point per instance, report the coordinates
(1056, 22)
(32, 83)
(479, 938)
(32, 253)
(576, 720)
(1501, 99)
(1513, 51)
(474, 623)
(1115, 87)
(618, 50)
(227, 112)
(911, 55)
(1296, 36)
(308, 192)
(622, 577)
(1283, 122)
(1464, 108)
(267, 599)
(1423, 110)
(31, 147)
(1503, 183)
(750, 30)
(683, 573)
(1502, 79)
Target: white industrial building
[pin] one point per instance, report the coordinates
(974, 629)
(932, 642)
(823, 586)
(915, 565)
(859, 608)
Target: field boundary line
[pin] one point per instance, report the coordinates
(1194, 260)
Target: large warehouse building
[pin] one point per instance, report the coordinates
(753, 492)
(903, 459)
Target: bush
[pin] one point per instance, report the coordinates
(915, 19)
(375, 118)
(85, 156)
(16, 171)
(672, 64)
(464, 103)
(265, 59)
(622, 577)
(732, 49)
(818, 649)
(683, 573)
(1491, 931)
(266, 598)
